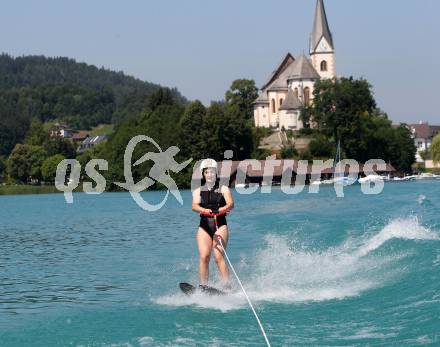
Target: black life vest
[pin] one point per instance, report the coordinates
(212, 198)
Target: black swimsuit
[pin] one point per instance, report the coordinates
(212, 199)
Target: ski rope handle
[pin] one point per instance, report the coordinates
(215, 215)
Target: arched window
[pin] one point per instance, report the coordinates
(306, 96)
(323, 65)
(296, 92)
(273, 106)
(281, 102)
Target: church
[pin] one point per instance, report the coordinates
(290, 86)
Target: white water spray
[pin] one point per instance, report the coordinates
(284, 273)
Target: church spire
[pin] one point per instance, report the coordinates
(320, 29)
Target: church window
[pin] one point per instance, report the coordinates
(296, 92)
(323, 65)
(306, 96)
(273, 106)
(281, 102)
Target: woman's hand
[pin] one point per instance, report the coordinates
(206, 211)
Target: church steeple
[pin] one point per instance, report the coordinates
(320, 30)
(322, 51)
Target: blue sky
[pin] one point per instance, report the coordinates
(200, 47)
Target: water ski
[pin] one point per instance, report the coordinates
(189, 289)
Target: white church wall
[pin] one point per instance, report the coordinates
(301, 85)
(331, 68)
(281, 97)
(289, 119)
(261, 116)
(273, 116)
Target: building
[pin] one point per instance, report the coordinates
(90, 142)
(80, 135)
(423, 134)
(290, 87)
(429, 164)
(60, 130)
(270, 172)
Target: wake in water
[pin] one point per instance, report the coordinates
(401, 228)
(281, 273)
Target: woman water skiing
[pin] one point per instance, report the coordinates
(212, 201)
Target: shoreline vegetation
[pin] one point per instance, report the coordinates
(61, 90)
(26, 189)
(29, 189)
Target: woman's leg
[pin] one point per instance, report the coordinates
(204, 243)
(219, 256)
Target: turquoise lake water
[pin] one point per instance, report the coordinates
(321, 270)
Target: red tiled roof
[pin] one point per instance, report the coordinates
(81, 135)
(422, 131)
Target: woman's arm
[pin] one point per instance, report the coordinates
(196, 203)
(228, 198)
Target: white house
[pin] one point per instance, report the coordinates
(60, 130)
(291, 85)
(423, 134)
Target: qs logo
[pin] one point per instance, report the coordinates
(164, 163)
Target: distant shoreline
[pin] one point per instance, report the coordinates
(51, 189)
(27, 189)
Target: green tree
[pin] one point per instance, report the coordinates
(341, 109)
(191, 125)
(340, 102)
(226, 128)
(25, 162)
(257, 135)
(289, 152)
(435, 149)
(344, 109)
(2, 168)
(404, 154)
(393, 145)
(36, 135)
(236, 133)
(305, 155)
(306, 117)
(49, 167)
(58, 145)
(321, 147)
(113, 150)
(159, 124)
(211, 130)
(163, 96)
(242, 94)
(163, 125)
(13, 125)
(61, 89)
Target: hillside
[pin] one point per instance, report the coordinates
(34, 71)
(62, 89)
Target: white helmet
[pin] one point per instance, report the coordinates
(208, 163)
